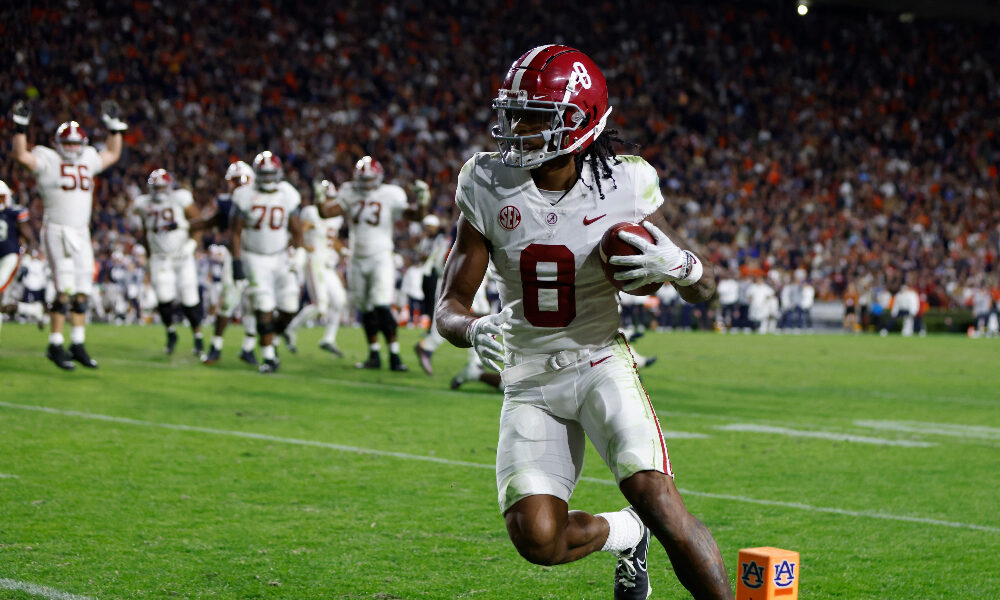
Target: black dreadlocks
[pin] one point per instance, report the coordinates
(601, 156)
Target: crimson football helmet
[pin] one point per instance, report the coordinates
(562, 93)
(368, 173)
(160, 182)
(267, 171)
(70, 140)
(239, 173)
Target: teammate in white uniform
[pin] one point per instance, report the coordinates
(168, 216)
(265, 222)
(65, 178)
(371, 209)
(569, 375)
(232, 295)
(322, 280)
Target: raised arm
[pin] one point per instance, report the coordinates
(463, 274)
(111, 115)
(22, 117)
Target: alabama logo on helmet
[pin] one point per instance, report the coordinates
(554, 101)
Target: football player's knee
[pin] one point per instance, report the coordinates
(193, 314)
(79, 304)
(60, 305)
(540, 543)
(166, 311)
(265, 327)
(386, 323)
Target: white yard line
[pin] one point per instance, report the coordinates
(38, 590)
(823, 435)
(462, 463)
(7, 476)
(948, 429)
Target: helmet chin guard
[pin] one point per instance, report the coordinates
(564, 96)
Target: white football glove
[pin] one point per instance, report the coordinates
(482, 333)
(656, 263)
(22, 114)
(111, 115)
(421, 192)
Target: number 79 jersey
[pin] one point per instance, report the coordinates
(265, 216)
(167, 228)
(546, 256)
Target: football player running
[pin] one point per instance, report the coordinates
(265, 221)
(65, 179)
(371, 209)
(13, 227)
(238, 174)
(537, 211)
(168, 216)
(322, 280)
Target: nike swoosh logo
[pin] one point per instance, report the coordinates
(641, 563)
(587, 221)
(594, 364)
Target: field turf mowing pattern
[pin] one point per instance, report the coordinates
(158, 477)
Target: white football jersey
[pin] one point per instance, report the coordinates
(545, 257)
(370, 216)
(265, 216)
(67, 186)
(322, 235)
(159, 217)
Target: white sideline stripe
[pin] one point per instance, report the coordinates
(823, 435)
(8, 476)
(462, 463)
(38, 590)
(964, 431)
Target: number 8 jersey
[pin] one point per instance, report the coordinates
(545, 255)
(265, 216)
(67, 186)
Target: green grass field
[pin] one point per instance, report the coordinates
(878, 459)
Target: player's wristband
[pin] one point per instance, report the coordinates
(694, 270)
(18, 128)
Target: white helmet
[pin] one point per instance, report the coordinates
(368, 173)
(268, 171)
(239, 173)
(70, 134)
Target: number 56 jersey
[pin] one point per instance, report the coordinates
(265, 216)
(546, 255)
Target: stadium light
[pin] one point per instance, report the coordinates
(802, 8)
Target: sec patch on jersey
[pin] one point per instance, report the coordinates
(612, 245)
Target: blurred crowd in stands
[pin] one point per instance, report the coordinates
(854, 149)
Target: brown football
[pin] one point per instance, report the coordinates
(612, 245)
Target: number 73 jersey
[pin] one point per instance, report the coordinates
(546, 256)
(265, 216)
(370, 215)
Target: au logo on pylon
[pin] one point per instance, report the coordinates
(767, 573)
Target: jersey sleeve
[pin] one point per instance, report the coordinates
(294, 198)
(241, 201)
(465, 195)
(46, 160)
(93, 160)
(22, 214)
(183, 197)
(647, 187)
(399, 201)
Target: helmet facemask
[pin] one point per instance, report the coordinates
(70, 140)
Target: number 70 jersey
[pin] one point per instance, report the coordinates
(265, 216)
(546, 255)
